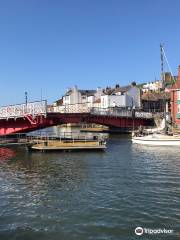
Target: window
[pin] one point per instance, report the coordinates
(66, 98)
(178, 108)
(178, 95)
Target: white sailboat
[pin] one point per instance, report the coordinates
(158, 136)
(157, 140)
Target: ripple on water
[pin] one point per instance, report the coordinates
(89, 195)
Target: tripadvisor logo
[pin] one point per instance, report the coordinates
(139, 231)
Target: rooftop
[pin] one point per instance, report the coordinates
(153, 96)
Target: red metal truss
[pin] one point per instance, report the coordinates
(27, 124)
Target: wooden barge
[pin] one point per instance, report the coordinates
(67, 141)
(50, 145)
(63, 143)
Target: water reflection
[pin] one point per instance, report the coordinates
(89, 195)
(159, 157)
(50, 170)
(6, 154)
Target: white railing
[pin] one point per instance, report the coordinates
(143, 115)
(112, 112)
(73, 108)
(121, 113)
(22, 110)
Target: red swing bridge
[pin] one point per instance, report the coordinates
(31, 116)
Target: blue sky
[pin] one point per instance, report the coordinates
(55, 44)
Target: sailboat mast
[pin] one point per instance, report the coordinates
(163, 83)
(162, 63)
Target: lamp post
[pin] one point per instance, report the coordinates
(25, 109)
(26, 99)
(133, 111)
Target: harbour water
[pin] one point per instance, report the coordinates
(90, 195)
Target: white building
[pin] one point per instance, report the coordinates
(72, 96)
(125, 97)
(77, 96)
(152, 86)
(76, 100)
(90, 101)
(108, 101)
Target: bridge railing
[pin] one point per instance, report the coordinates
(73, 108)
(111, 111)
(121, 113)
(84, 108)
(22, 110)
(139, 114)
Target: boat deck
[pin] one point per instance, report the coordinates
(68, 145)
(158, 139)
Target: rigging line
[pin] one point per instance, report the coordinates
(168, 64)
(162, 61)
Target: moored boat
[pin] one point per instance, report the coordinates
(157, 140)
(162, 136)
(74, 142)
